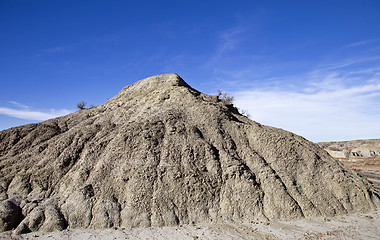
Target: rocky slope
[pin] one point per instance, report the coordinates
(160, 154)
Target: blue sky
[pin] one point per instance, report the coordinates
(310, 67)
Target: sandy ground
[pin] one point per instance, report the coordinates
(359, 226)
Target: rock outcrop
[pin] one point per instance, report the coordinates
(368, 149)
(160, 153)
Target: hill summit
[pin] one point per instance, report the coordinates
(161, 153)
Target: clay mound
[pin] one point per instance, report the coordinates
(161, 153)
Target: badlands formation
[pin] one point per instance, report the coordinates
(353, 150)
(361, 155)
(162, 154)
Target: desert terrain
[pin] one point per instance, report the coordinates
(161, 160)
(353, 226)
(360, 155)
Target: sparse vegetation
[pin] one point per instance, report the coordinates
(81, 105)
(226, 98)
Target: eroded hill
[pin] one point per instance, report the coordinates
(159, 154)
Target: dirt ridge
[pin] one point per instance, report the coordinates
(161, 153)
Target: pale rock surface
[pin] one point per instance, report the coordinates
(163, 154)
(353, 150)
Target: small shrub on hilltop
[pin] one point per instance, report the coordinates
(225, 97)
(81, 105)
(227, 100)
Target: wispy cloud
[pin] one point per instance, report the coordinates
(356, 44)
(17, 104)
(323, 115)
(24, 112)
(226, 42)
(229, 40)
(326, 105)
(348, 63)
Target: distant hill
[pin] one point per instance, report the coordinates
(361, 155)
(353, 150)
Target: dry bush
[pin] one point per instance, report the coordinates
(225, 97)
(81, 105)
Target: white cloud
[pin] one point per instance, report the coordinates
(33, 115)
(330, 106)
(332, 97)
(349, 63)
(17, 104)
